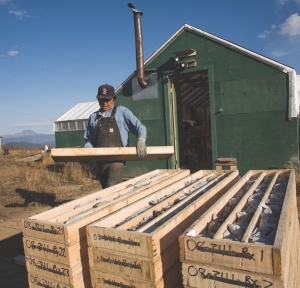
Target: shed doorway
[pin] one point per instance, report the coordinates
(191, 120)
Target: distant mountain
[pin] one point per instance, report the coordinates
(27, 138)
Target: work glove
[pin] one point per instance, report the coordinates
(141, 149)
(88, 145)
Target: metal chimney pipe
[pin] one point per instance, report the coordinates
(139, 46)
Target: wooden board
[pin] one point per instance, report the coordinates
(70, 275)
(211, 276)
(169, 280)
(49, 225)
(110, 154)
(56, 252)
(133, 266)
(274, 260)
(38, 281)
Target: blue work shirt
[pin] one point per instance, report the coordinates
(126, 121)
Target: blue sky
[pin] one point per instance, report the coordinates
(55, 53)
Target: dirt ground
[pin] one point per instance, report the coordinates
(17, 203)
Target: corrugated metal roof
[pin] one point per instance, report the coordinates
(81, 111)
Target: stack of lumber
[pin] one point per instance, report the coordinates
(55, 241)
(248, 238)
(137, 246)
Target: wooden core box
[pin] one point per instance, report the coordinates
(137, 246)
(213, 258)
(55, 242)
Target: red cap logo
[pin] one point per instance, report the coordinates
(103, 91)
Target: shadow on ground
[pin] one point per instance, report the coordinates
(31, 197)
(12, 275)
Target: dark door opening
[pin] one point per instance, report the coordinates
(193, 120)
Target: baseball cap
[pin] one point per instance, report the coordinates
(105, 91)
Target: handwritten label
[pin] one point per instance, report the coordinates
(228, 277)
(122, 263)
(119, 240)
(220, 249)
(54, 230)
(114, 283)
(46, 266)
(52, 249)
(44, 282)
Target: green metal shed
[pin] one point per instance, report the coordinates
(211, 98)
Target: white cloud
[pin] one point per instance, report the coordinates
(291, 26)
(279, 53)
(281, 2)
(13, 53)
(4, 1)
(19, 13)
(266, 32)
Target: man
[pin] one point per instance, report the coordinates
(110, 127)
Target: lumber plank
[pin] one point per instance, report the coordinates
(256, 216)
(289, 262)
(110, 154)
(297, 268)
(281, 240)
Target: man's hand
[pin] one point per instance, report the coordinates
(141, 149)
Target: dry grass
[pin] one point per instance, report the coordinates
(40, 184)
(49, 173)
